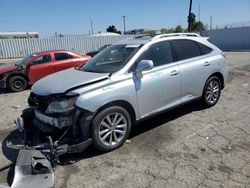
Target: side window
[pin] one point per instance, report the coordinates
(42, 59)
(160, 53)
(62, 56)
(204, 49)
(186, 49)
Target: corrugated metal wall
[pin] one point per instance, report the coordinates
(13, 48)
(231, 38)
(225, 39)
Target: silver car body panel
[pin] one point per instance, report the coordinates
(160, 88)
(91, 96)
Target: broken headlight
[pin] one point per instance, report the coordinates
(61, 105)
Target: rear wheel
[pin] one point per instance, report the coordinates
(110, 128)
(17, 83)
(211, 92)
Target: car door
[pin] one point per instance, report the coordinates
(160, 87)
(41, 66)
(195, 69)
(63, 60)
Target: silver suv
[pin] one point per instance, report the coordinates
(99, 102)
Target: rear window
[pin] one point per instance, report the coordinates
(186, 49)
(61, 56)
(204, 49)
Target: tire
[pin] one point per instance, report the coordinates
(110, 128)
(211, 92)
(17, 83)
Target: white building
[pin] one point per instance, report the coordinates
(18, 35)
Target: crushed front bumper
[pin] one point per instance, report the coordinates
(52, 149)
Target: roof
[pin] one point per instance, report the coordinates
(50, 51)
(143, 39)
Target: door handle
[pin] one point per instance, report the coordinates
(174, 72)
(207, 63)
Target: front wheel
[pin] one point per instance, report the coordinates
(110, 128)
(211, 92)
(17, 83)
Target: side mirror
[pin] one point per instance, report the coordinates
(143, 65)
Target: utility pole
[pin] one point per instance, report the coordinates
(124, 24)
(199, 12)
(189, 13)
(211, 22)
(92, 30)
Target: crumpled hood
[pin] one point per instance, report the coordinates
(8, 68)
(62, 81)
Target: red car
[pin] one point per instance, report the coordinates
(37, 65)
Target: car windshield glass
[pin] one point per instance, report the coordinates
(111, 59)
(103, 47)
(26, 59)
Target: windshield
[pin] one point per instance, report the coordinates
(111, 59)
(23, 61)
(103, 47)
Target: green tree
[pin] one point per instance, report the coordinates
(178, 29)
(171, 30)
(195, 25)
(112, 29)
(198, 26)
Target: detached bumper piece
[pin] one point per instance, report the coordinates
(32, 170)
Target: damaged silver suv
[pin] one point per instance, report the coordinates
(97, 103)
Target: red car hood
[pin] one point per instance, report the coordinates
(4, 69)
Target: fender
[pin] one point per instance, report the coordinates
(101, 96)
(16, 72)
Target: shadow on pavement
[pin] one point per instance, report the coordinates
(164, 117)
(4, 91)
(16, 138)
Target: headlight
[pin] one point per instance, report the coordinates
(61, 106)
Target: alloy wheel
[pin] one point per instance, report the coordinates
(112, 129)
(213, 91)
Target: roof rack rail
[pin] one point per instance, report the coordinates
(176, 35)
(144, 35)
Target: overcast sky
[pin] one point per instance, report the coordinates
(74, 16)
